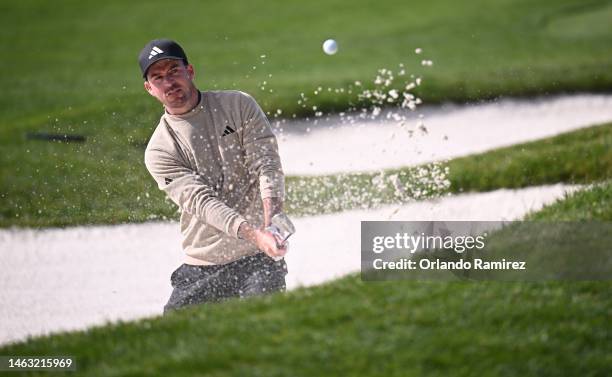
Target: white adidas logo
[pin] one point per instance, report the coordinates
(154, 51)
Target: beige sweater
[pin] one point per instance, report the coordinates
(217, 163)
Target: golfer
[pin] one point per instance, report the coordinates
(215, 156)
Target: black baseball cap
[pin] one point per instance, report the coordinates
(159, 49)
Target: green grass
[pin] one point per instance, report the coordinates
(351, 327)
(73, 69)
(593, 204)
(581, 156)
(78, 54)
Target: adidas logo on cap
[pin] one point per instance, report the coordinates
(158, 49)
(154, 51)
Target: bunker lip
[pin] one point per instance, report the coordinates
(132, 262)
(452, 131)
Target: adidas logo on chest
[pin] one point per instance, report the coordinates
(228, 130)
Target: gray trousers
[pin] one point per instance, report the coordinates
(252, 275)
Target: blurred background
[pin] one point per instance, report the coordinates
(71, 68)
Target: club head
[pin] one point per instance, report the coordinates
(284, 225)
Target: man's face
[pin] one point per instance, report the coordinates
(170, 81)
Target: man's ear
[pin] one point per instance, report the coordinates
(148, 87)
(191, 71)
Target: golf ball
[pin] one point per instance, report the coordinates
(330, 47)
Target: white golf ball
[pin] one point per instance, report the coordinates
(330, 47)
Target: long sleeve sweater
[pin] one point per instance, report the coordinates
(216, 162)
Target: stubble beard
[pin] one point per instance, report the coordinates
(179, 100)
(177, 97)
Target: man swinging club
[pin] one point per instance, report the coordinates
(215, 156)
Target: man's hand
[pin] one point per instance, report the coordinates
(264, 240)
(270, 244)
